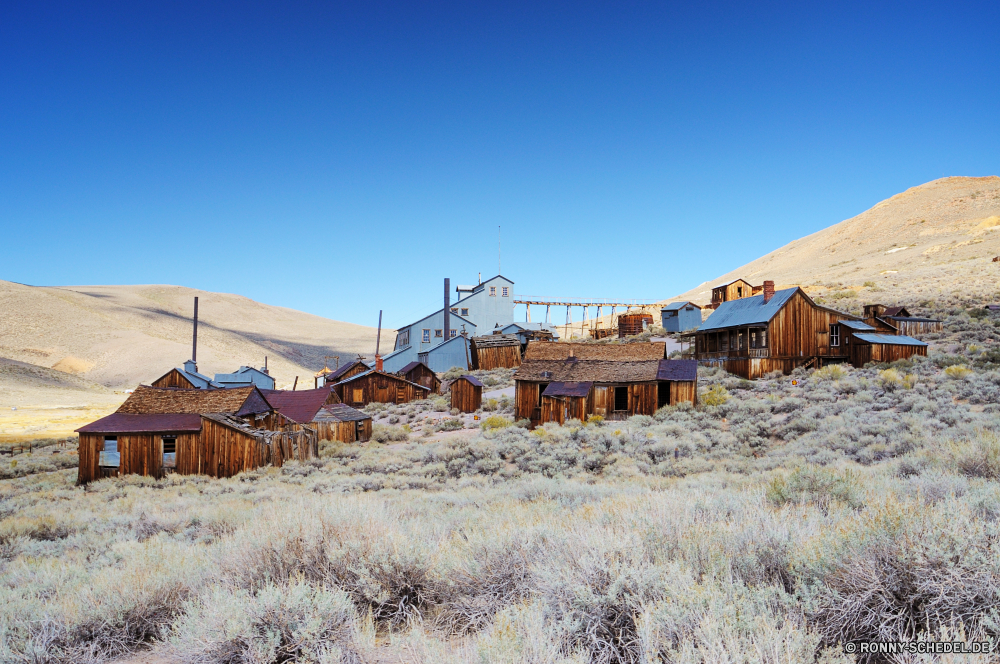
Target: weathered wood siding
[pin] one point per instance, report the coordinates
(682, 392)
(379, 388)
(465, 396)
(915, 329)
(423, 375)
(173, 379)
(501, 357)
(526, 400)
(354, 431)
(90, 446)
(560, 409)
(863, 353)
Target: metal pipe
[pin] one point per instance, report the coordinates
(378, 337)
(194, 340)
(447, 308)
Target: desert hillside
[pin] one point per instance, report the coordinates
(119, 336)
(936, 241)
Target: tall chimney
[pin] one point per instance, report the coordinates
(768, 291)
(447, 308)
(194, 341)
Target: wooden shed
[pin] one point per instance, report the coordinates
(380, 387)
(210, 432)
(630, 324)
(897, 320)
(560, 381)
(734, 290)
(466, 394)
(343, 423)
(421, 374)
(495, 351)
(867, 347)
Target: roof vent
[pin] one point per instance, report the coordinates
(546, 374)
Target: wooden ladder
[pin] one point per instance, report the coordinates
(808, 364)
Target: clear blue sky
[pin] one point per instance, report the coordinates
(339, 159)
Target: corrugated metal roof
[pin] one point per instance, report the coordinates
(856, 325)
(747, 311)
(911, 319)
(472, 379)
(567, 390)
(685, 370)
(145, 423)
(674, 306)
(298, 405)
(197, 379)
(889, 339)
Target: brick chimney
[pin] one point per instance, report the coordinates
(378, 363)
(768, 291)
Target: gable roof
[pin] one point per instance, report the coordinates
(674, 306)
(239, 400)
(889, 339)
(413, 365)
(684, 370)
(381, 373)
(731, 283)
(298, 405)
(439, 311)
(567, 389)
(895, 311)
(338, 412)
(597, 371)
(754, 311)
(557, 350)
(334, 375)
(472, 379)
(145, 423)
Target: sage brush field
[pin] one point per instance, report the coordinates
(770, 524)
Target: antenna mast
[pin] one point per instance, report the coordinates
(499, 268)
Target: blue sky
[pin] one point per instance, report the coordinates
(342, 158)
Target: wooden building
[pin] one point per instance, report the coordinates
(773, 331)
(342, 373)
(380, 387)
(630, 324)
(560, 381)
(210, 432)
(733, 291)
(680, 316)
(466, 394)
(421, 374)
(870, 347)
(296, 409)
(187, 378)
(343, 423)
(496, 351)
(897, 320)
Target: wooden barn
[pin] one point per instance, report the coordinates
(421, 374)
(343, 423)
(342, 373)
(897, 320)
(870, 347)
(733, 291)
(210, 432)
(560, 381)
(495, 351)
(380, 387)
(630, 324)
(773, 331)
(466, 394)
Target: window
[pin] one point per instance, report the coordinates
(438, 333)
(169, 452)
(454, 310)
(427, 336)
(505, 292)
(493, 291)
(621, 398)
(403, 340)
(465, 312)
(454, 333)
(109, 456)
(834, 336)
(739, 291)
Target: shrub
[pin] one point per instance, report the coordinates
(384, 433)
(714, 396)
(831, 372)
(450, 424)
(958, 372)
(843, 295)
(496, 422)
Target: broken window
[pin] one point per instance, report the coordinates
(109, 456)
(438, 333)
(621, 398)
(454, 333)
(169, 452)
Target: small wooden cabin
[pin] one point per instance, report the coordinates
(421, 374)
(466, 394)
(342, 373)
(380, 387)
(210, 432)
(773, 331)
(495, 351)
(560, 381)
(869, 347)
(630, 324)
(733, 291)
(897, 320)
(343, 423)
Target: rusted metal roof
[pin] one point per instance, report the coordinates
(145, 423)
(567, 390)
(553, 350)
(683, 370)
(298, 405)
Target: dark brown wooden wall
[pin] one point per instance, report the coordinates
(465, 396)
(173, 379)
(526, 400)
(862, 354)
(422, 375)
(560, 409)
(379, 388)
(503, 357)
(683, 392)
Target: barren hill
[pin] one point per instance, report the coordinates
(120, 336)
(934, 242)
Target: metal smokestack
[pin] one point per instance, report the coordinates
(194, 340)
(447, 308)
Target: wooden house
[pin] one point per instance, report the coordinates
(495, 351)
(630, 324)
(421, 374)
(377, 386)
(342, 373)
(343, 423)
(897, 320)
(296, 409)
(773, 331)
(187, 378)
(870, 347)
(466, 394)
(210, 432)
(560, 381)
(733, 291)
